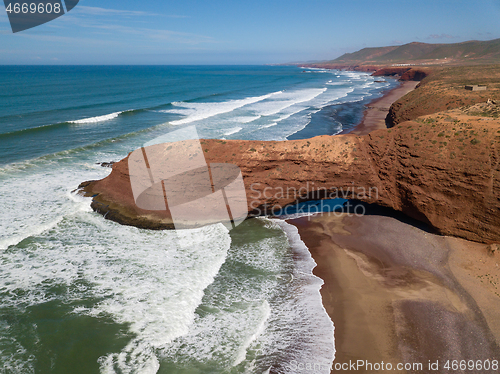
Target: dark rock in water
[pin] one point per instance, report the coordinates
(106, 164)
(380, 81)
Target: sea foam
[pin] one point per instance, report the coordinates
(319, 335)
(285, 100)
(232, 131)
(102, 118)
(199, 111)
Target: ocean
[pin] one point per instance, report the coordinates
(81, 294)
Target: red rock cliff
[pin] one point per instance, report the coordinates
(446, 176)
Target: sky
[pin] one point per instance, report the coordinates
(140, 32)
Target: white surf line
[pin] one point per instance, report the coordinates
(103, 118)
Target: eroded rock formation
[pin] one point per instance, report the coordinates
(442, 170)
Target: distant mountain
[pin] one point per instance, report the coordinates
(471, 52)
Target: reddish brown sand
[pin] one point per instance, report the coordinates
(377, 110)
(400, 295)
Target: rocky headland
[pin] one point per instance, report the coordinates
(442, 169)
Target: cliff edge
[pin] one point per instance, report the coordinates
(442, 169)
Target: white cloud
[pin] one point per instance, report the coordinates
(96, 11)
(166, 35)
(112, 31)
(103, 11)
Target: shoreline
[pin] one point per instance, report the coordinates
(392, 309)
(398, 294)
(376, 110)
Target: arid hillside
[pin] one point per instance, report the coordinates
(444, 89)
(466, 53)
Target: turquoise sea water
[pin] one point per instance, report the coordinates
(80, 294)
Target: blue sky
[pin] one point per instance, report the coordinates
(241, 32)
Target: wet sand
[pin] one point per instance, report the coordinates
(397, 294)
(377, 110)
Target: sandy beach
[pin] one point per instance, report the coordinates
(400, 295)
(376, 111)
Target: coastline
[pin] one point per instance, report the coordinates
(385, 305)
(398, 294)
(376, 111)
(393, 311)
(407, 297)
